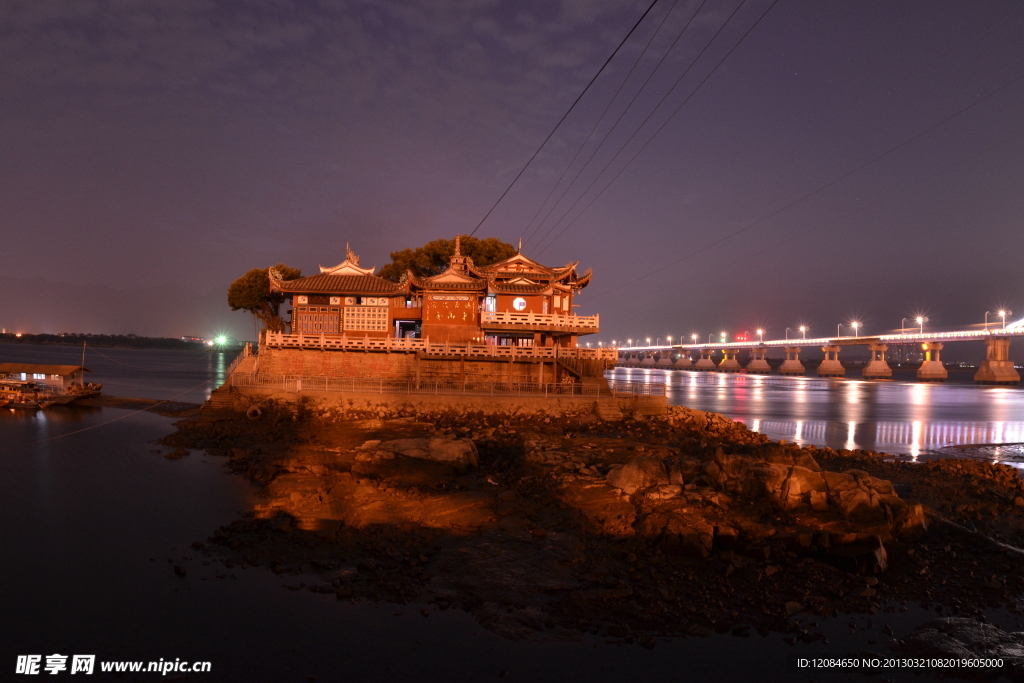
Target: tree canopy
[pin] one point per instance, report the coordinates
(432, 258)
(251, 292)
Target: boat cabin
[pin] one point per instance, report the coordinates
(54, 378)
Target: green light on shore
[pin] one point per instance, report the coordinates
(221, 340)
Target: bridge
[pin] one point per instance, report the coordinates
(997, 368)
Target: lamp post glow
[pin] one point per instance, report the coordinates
(648, 341)
(760, 335)
(921, 320)
(630, 343)
(669, 340)
(856, 326)
(1003, 314)
(694, 337)
(803, 331)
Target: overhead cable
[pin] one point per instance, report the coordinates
(660, 128)
(566, 114)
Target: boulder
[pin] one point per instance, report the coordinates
(457, 452)
(641, 472)
(799, 484)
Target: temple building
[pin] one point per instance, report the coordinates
(509, 321)
(515, 302)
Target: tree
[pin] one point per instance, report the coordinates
(432, 258)
(251, 292)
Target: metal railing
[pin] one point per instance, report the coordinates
(620, 387)
(590, 322)
(405, 345)
(246, 352)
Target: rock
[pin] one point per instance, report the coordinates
(676, 535)
(458, 452)
(665, 492)
(964, 638)
(798, 486)
(909, 519)
(1019, 501)
(819, 500)
(370, 445)
(793, 608)
(641, 472)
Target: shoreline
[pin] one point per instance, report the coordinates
(535, 543)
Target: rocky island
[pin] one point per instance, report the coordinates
(550, 525)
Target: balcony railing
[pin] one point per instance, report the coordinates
(281, 340)
(526, 320)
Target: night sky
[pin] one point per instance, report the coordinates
(847, 159)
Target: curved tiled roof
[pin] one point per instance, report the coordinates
(339, 284)
(508, 288)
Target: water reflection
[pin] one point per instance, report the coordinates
(900, 417)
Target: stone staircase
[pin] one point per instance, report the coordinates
(608, 409)
(221, 400)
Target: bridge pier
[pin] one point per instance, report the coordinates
(758, 365)
(932, 369)
(729, 362)
(705, 364)
(683, 363)
(877, 368)
(997, 368)
(665, 360)
(648, 360)
(792, 364)
(831, 367)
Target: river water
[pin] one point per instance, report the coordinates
(902, 416)
(93, 517)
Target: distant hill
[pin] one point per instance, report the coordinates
(122, 340)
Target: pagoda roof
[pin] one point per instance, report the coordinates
(345, 278)
(350, 266)
(519, 264)
(449, 279)
(521, 287)
(336, 284)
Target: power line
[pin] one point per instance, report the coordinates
(818, 227)
(659, 128)
(642, 148)
(526, 233)
(613, 126)
(827, 185)
(566, 114)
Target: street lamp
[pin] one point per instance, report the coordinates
(710, 335)
(1003, 314)
(630, 343)
(669, 340)
(803, 331)
(723, 336)
(921, 320)
(837, 329)
(787, 333)
(855, 325)
(903, 324)
(694, 337)
(760, 335)
(648, 341)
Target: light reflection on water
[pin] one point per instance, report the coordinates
(899, 417)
